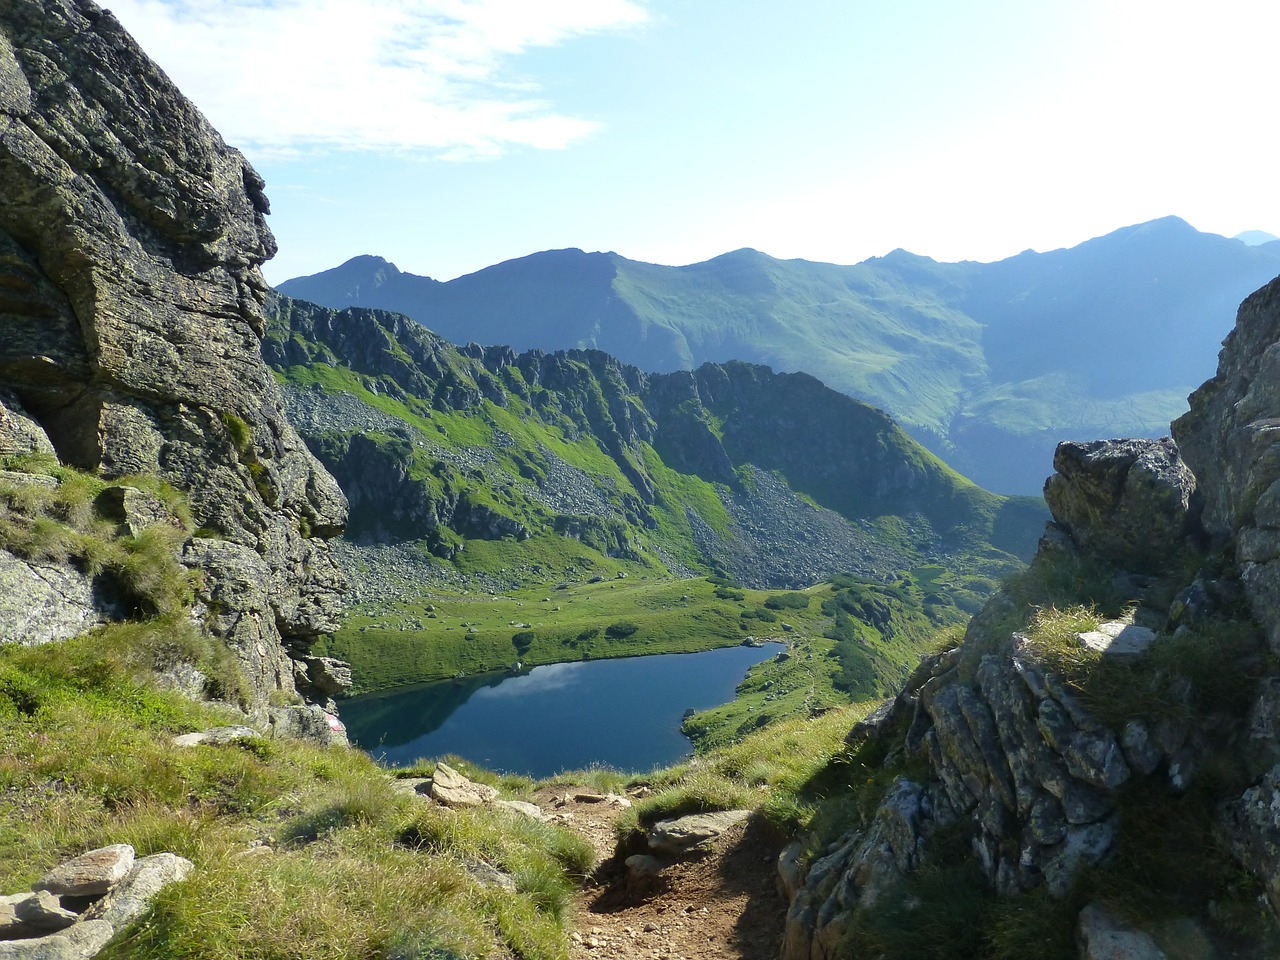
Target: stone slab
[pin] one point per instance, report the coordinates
(695, 833)
(90, 874)
(1118, 640)
(452, 789)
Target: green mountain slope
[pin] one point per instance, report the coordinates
(773, 477)
(988, 364)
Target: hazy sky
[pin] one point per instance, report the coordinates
(447, 135)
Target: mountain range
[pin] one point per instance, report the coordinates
(1093, 771)
(987, 364)
(773, 478)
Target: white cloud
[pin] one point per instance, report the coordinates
(424, 76)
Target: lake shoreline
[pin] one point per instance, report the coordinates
(620, 712)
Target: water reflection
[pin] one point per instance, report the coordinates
(622, 713)
(540, 680)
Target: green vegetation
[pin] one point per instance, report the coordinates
(859, 644)
(787, 601)
(54, 517)
(947, 912)
(819, 665)
(240, 432)
(355, 869)
(662, 480)
(522, 641)
(470, 634)
(880, 630)
(778, 772)
(658, 476)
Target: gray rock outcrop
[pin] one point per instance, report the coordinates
(1130, 500)
(1011, 755)
(130, 243)
(1230, 438)
(80, 905)
(1014, 759)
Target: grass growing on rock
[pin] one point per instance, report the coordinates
(774, 772)
(48, 515)
(1188, 677)
(1170, 873)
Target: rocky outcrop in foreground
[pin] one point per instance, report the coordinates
(78, 907)
(130, 321)
(1051, 758)
(1230, 439)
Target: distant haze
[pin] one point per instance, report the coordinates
(988, 364)
(1256, 238)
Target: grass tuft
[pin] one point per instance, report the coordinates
(300, 851)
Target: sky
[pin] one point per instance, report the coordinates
(448, 135)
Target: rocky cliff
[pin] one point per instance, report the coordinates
(1098, 762)
(772, 477)
(130, 320)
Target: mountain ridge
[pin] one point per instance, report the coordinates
(545, 419)
(978, 361)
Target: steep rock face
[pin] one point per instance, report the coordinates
(1017, 763)
(1231, 440)
(131, 316)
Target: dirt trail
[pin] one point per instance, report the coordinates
(724, 906)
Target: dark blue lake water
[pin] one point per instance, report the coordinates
(622, 713)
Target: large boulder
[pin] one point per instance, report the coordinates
(40, 602)
(1131, 501)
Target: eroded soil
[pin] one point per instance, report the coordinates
(722, 906)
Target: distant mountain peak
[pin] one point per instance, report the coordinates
(1161, 225)
(356, 281)
(1255, 238)
(369, 260)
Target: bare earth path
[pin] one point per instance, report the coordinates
(724, 906)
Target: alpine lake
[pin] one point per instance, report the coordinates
(622, 713)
